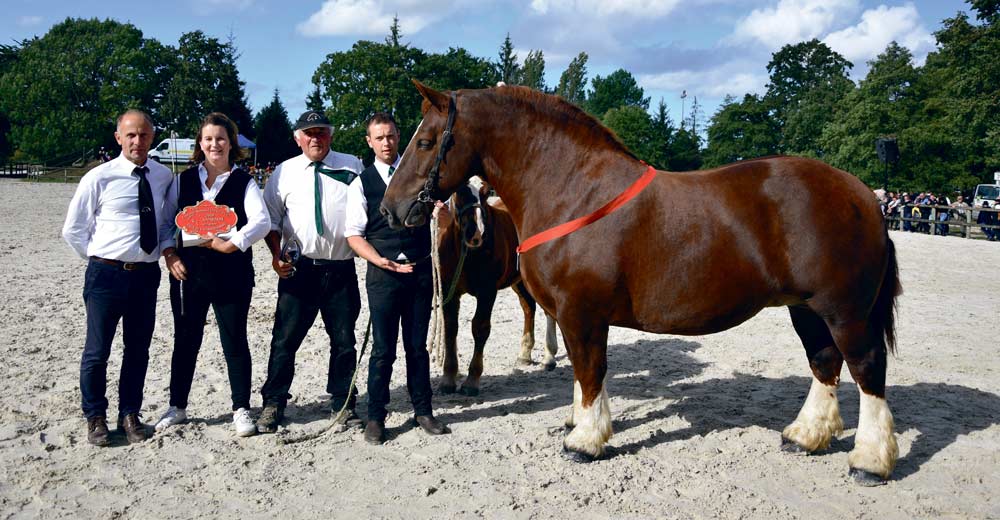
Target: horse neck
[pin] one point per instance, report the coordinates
(563, 179)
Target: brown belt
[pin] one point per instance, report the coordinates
(127, 266)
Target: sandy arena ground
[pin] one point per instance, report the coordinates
(697, 420)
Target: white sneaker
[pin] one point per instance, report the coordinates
(244, 424)
(172, 417)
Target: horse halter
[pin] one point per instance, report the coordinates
(434, 174)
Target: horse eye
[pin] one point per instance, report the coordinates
(424, 144)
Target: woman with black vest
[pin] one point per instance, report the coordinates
(217, 273)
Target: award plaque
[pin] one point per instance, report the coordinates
(196, 222)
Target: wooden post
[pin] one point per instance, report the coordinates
(968, 223)
(933, 221)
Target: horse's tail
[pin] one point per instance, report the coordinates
(883, 315)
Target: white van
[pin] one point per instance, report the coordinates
(173, 150)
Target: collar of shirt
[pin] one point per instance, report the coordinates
(383, 169)
(220, 181)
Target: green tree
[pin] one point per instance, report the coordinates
(8, 54)
(741, 130)
(634, 127)
(205, 80)
(533, 71)
(65, 89)
(456, 69)
(807, 80)
(367, 78)
(884, 104)
(507, 67)
(954, 135)
(663, 131)
(315, 101)
(618, 89)
(274, 133)
(685, 151)
(573, 81)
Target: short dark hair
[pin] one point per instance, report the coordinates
(236, 152)
(380, 118)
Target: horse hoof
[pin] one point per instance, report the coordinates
(524, 362)
(446, 389)
(550, 366)
(865, 478)
(576, 456)
(471, 392)
(788, 446)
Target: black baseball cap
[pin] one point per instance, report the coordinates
(312, 119)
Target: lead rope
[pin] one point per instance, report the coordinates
(436, 345)
(343, 409)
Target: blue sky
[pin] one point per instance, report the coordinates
(707, 48)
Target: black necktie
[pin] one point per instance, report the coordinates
(147, 215)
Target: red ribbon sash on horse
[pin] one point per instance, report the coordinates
(573, 225)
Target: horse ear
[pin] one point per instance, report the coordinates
(438, 99)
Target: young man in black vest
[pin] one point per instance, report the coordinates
(398, 282)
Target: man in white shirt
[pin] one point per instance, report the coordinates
(398, 281)
(116, 222)
(306, 197)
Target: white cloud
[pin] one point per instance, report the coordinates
(730, 78)
(877, 28)
(792, 21)
(599, 8)
(29, 21)
(372, 17)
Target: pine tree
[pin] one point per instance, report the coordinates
(573, 81)
(507, 66)
(533, 71)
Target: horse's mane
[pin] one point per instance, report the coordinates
(566, 114)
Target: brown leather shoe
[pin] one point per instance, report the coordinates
(375, 432)
(134, 430)
(97, 431)
(270, 417)
(431, 425)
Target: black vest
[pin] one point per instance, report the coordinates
(415, 243)
(237, 265)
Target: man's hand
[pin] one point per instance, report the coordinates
(389, 265)
(174, 264)
(283, 268)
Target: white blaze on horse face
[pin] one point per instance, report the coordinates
(818, 421)
(593, 423)
(480, 220)
(875, 449)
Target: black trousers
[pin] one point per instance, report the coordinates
(112, 294)
(228, 292)
(396, 299)
(329, 290)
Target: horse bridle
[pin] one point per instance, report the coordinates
(426, 195)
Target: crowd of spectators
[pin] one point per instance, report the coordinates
(916, 213)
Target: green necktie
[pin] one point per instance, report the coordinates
(392, 169)
(344, 176)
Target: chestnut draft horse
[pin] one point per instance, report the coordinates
(478, 240)
(693, 253)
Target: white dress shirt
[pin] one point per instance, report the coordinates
(103, 217)
(357, 205)
(258, 221)
(289, 196)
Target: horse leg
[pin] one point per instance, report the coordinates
(551, 344)
(819, 419)
(875, 451)
(480, 333)
(528, 335)
(450, 369)
(588, 346)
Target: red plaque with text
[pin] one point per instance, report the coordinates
(206, 217)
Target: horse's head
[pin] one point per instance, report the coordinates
(470, 215)
(437, 161)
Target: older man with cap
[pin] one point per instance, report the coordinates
(115, 222)
(306, 197)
